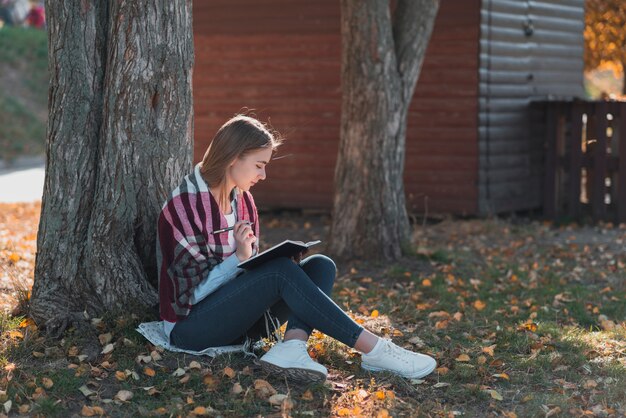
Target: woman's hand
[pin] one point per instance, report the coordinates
(244, 237)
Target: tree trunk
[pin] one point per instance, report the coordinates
(381, 63)
(624, 78)
(119, 139)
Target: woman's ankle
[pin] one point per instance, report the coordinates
(296, 334)
(366, 342)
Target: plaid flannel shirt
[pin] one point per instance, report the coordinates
(186, 249)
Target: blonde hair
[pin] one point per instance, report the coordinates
(238, 137)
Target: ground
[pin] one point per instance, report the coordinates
(525, 318)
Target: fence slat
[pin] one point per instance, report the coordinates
(621, 174)
(598, 207)
(549, 191)
(574, 142)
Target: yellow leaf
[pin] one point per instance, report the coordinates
(495, 395)
(479, 305)
(502, 376)
(457, 316)
(199, 410)
(442, 370)
(380, 394)
(442, 324)
(530, 326)
(149, 372)
(16, 334)
(14, 257)
(87, 411)
(28, 323)
(374, 313)
(426, 283)
(482, 359)
(383, 413)
(590, 384)
(463, 357)
(120, 375)
(47, 382)
(229, 372)
(343, 412)
(489, 350)
(397, 333)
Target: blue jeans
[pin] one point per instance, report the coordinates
(298, 294)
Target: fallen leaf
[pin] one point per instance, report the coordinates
(47, 382)
(426, 283)
(7, 406)
(236, 389)
(263, 389)
(490, 350)
(380, 394)
(495, 395)
(149, 372)
(277, 399)
(502, 376)
(86, 391)
(200, 410)
(479, 305)
(442, 370)
(178, 372)
(105, 338)
(195, 365)
(441, 385)
(108, 348)
(307, 396)
(463, 357)
(590, 384)
(123, 395)
(229, 372)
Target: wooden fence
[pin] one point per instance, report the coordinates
(585, 143)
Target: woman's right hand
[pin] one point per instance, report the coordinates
(244, 237)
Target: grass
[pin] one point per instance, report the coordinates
(23, 99)
(514, 334)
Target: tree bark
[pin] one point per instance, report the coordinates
(119, 139)
(381, 62)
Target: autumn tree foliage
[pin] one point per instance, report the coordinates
(119, 137)
(605, 35)
(382, 55)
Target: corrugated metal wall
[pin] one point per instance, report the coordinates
(528, 49)
(282, 58)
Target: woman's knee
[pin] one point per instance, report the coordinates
(319, 261)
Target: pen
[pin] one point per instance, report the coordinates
(230, 228)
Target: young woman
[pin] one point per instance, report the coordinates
(207, 301)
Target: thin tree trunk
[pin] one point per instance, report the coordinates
(381, 62)
(624, 78)
(119, 138)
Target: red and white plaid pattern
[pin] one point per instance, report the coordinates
(186, 249)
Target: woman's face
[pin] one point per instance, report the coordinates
(247, 171)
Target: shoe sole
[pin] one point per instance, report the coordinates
(293, 373)
(419, 375)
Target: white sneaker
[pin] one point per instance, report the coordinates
(291, 359)
(386, 356)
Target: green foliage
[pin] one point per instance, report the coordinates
(23, 98)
